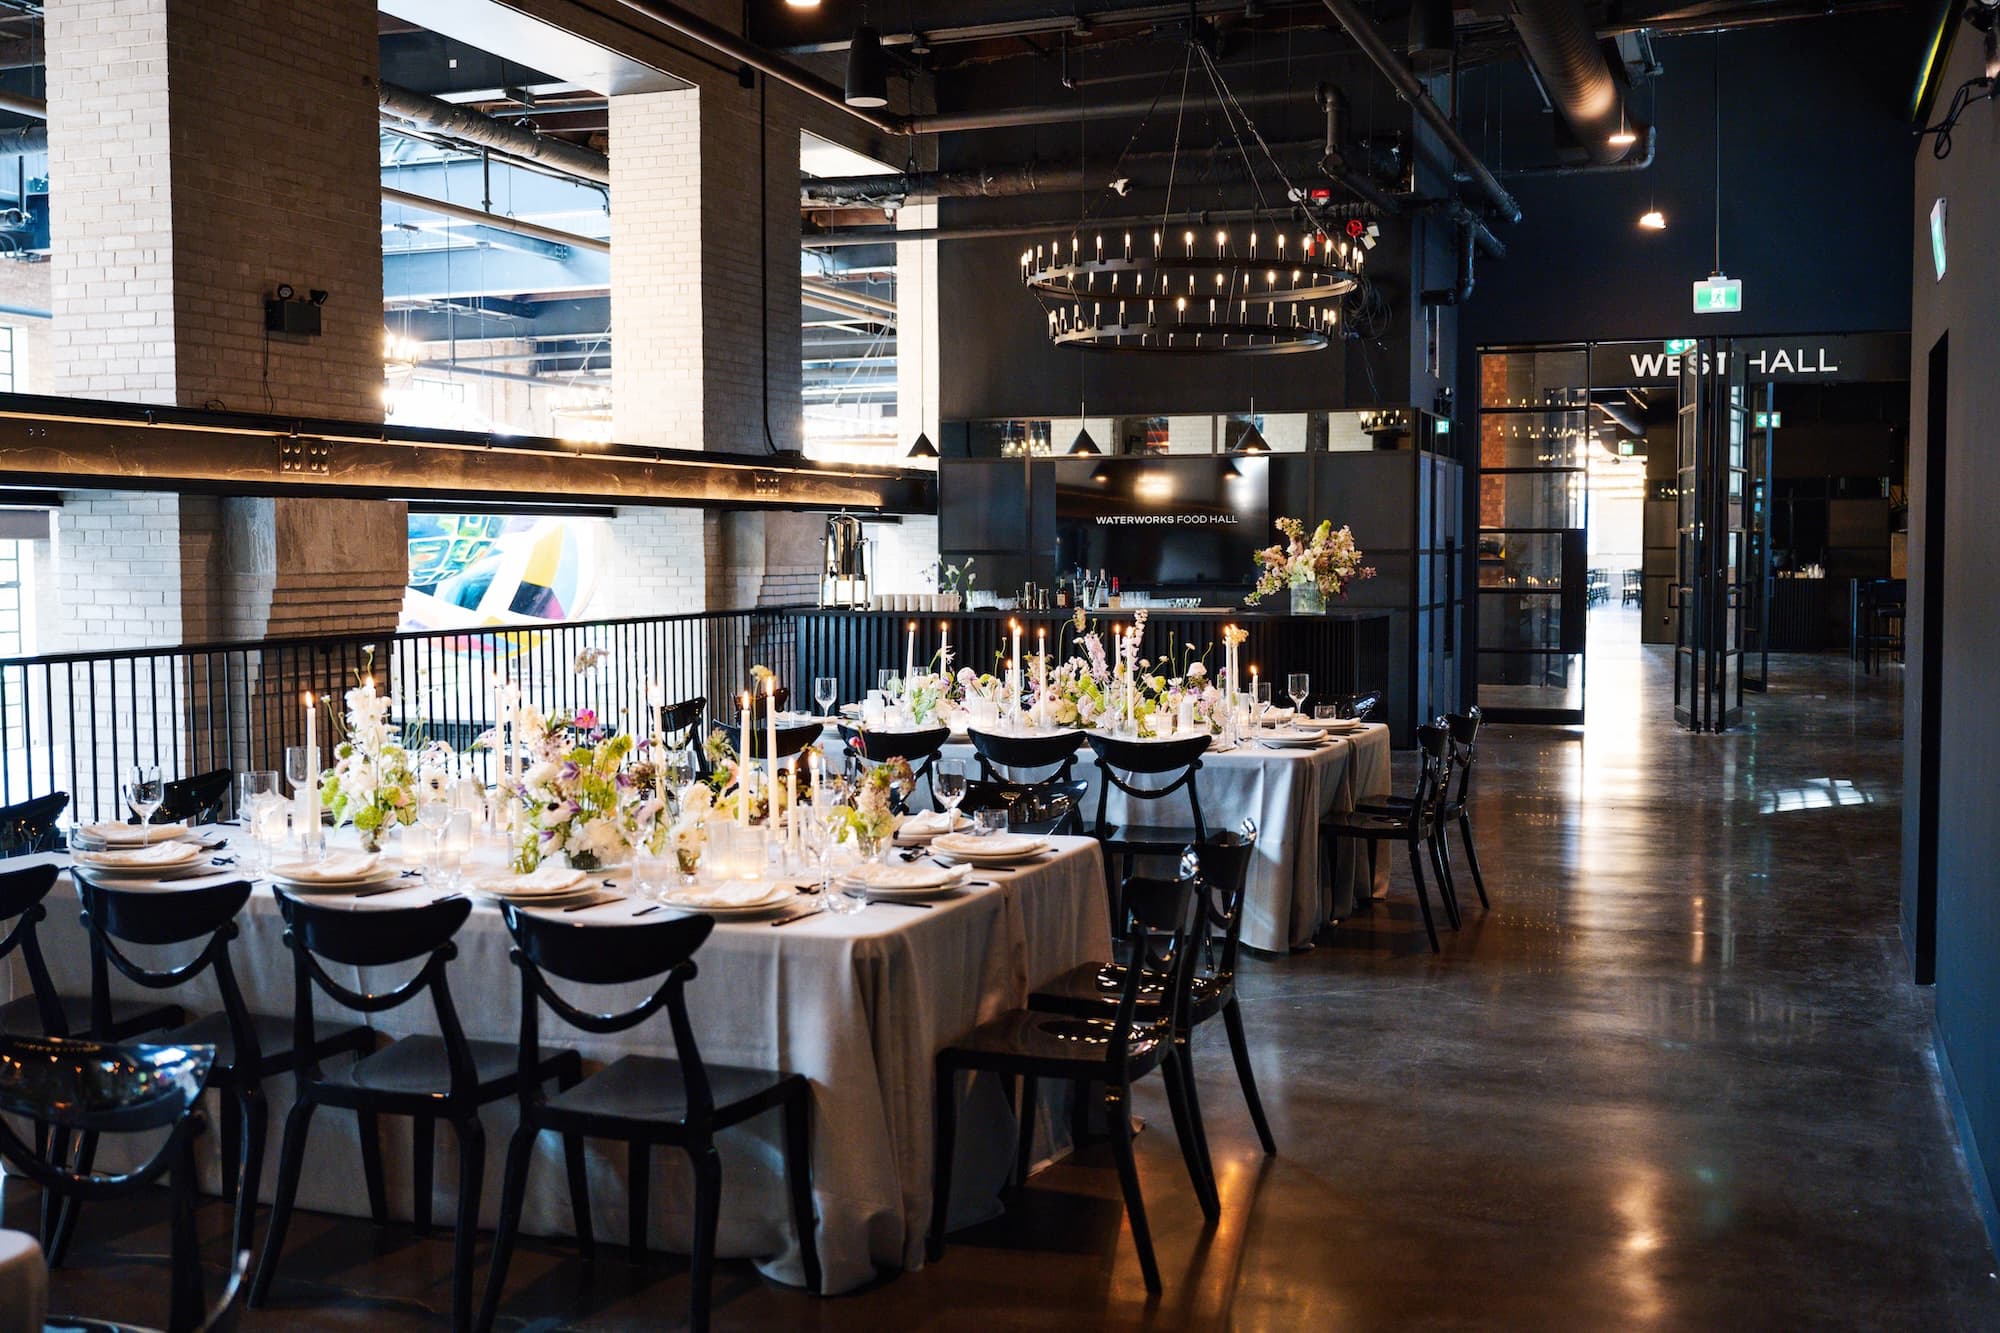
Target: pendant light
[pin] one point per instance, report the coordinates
(1252, 440)
(867, 70)
(922, 447)
(1083, 443)
(1623, 137)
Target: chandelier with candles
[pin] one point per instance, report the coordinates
(1271, 286)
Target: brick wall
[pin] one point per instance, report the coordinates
(904, 554)
(24, 285)
(656, 561)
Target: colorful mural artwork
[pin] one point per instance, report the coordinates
(472, 571)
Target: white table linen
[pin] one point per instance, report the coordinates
(24, 1283)
(859, 1004)
(1285, 791)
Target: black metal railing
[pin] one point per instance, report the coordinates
(75, 722)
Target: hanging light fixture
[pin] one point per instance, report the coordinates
(923, 448)
(1252, 440)
(1083, 443)
(1622, 137)
(867, 69)
(1269, 286)
(1653, 220)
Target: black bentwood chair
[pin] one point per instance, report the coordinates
(1457, 803)
(641, 1100)
(30, 826)
(1113, 1050)
(792, 738)
(680, 728)
(1042, 807)
(1167, 767)
(89, 1088)
(446, 1077)
(195, 800)
(43, 1011)
(919, 748)
(1413, 822)
(1094, 988)
(1004, 758)
(249, 1048)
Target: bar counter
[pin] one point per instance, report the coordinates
(1345, 652)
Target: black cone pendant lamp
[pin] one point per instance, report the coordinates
(1083, 443)
(923, 448)
(867, 69)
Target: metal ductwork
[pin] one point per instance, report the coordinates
(21, 105)
(1023, 178)
(473, 127)
(1562, 46)
(25, 139)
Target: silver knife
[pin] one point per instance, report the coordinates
(787, 919)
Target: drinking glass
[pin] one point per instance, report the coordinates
(840, 899)
(433, 812)
(1261, 703)
(987, 822)
(1325, 712)
(891, 683)
(454, 844)
(949, 778)
(826, 690)
(1298, 685)
(144, 790)
(653, 872)
(252, 788)
(270, 826)
(295, 767)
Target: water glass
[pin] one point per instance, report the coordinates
(252, 786)
(145, 790)
(826, 691)
(653, 872)
(270, 826)
(454, 844)
(433, 812)
(1325, 712)
(986, 822)
(949, 779)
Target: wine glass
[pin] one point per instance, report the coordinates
(1298, 685)
(295, 768)
(144, 790)
(826, 690)
(949, 779)
(433, 812)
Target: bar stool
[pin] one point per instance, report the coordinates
(641, 1100)
(1113, 1050)
(249, 1048)
(446, 1077)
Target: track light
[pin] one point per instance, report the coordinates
(867, 70)
(1653, 220)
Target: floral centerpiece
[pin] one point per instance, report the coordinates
(690, 827)
(580, 800)
(372, 784)
(1314, 568)
(871, 819)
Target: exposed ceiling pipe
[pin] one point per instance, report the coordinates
(1001, 182)
(1131, 108)
(757, 58)
(849, 236)
(1622, 415)
(473, 127)
(1639, 161)
(1461, 292)
(821, 293)
(1562, 46)
(500, 221)
(36, 107)
(1411, 88)
(25, 139)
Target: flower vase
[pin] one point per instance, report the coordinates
(1307, 599)
(371, 838)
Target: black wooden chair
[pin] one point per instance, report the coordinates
(681, 729)
(44, 1011)
(1004, 758)
(89, 1088)
(640, 1100)
(1114, 1051)
(1043, 807)
(919, 748)
(1161, 768)
(792, 738)
(249, 1048)
(1413, 822)
(195, 800)
(29, 826)
(446, 1077)
(1456, 806)
(1093, 988)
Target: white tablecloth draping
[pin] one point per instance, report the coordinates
(24, 1284)
(859, 1004)
(1286, 792)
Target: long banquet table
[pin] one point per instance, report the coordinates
(859, 1004)
(1286, 791)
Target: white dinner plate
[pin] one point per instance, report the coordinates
(380, 875)
(1291, 738)
(167, 881)
(713, 901)
(151, 859)
(933, 827)
(1333, 726)
(995, 849)
(909, 879)
(101, 836)
(550, 880)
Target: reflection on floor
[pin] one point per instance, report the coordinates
(1672, 1080)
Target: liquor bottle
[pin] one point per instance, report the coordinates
(1116, 600)
(1062, 594)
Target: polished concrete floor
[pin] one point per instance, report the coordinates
(1674, 1079)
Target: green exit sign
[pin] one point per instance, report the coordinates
(1770, 420)
(1679, 346)
(1718, 295)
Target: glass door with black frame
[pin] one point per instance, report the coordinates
(1714, 558)
(1533, 584)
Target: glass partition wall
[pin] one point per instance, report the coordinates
(1534, 434)
(1279, 432)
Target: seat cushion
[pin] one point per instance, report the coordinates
(274, 1035)
(648, 1090)
(129, 1018)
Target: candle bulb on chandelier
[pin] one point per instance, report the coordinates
(1189, 238)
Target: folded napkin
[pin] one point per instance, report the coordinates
(333, 868)
(547, 878)
(992, 844)
(153, 855)
(733, 893)
(910, 875)
(131, 835)
(929, 823)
